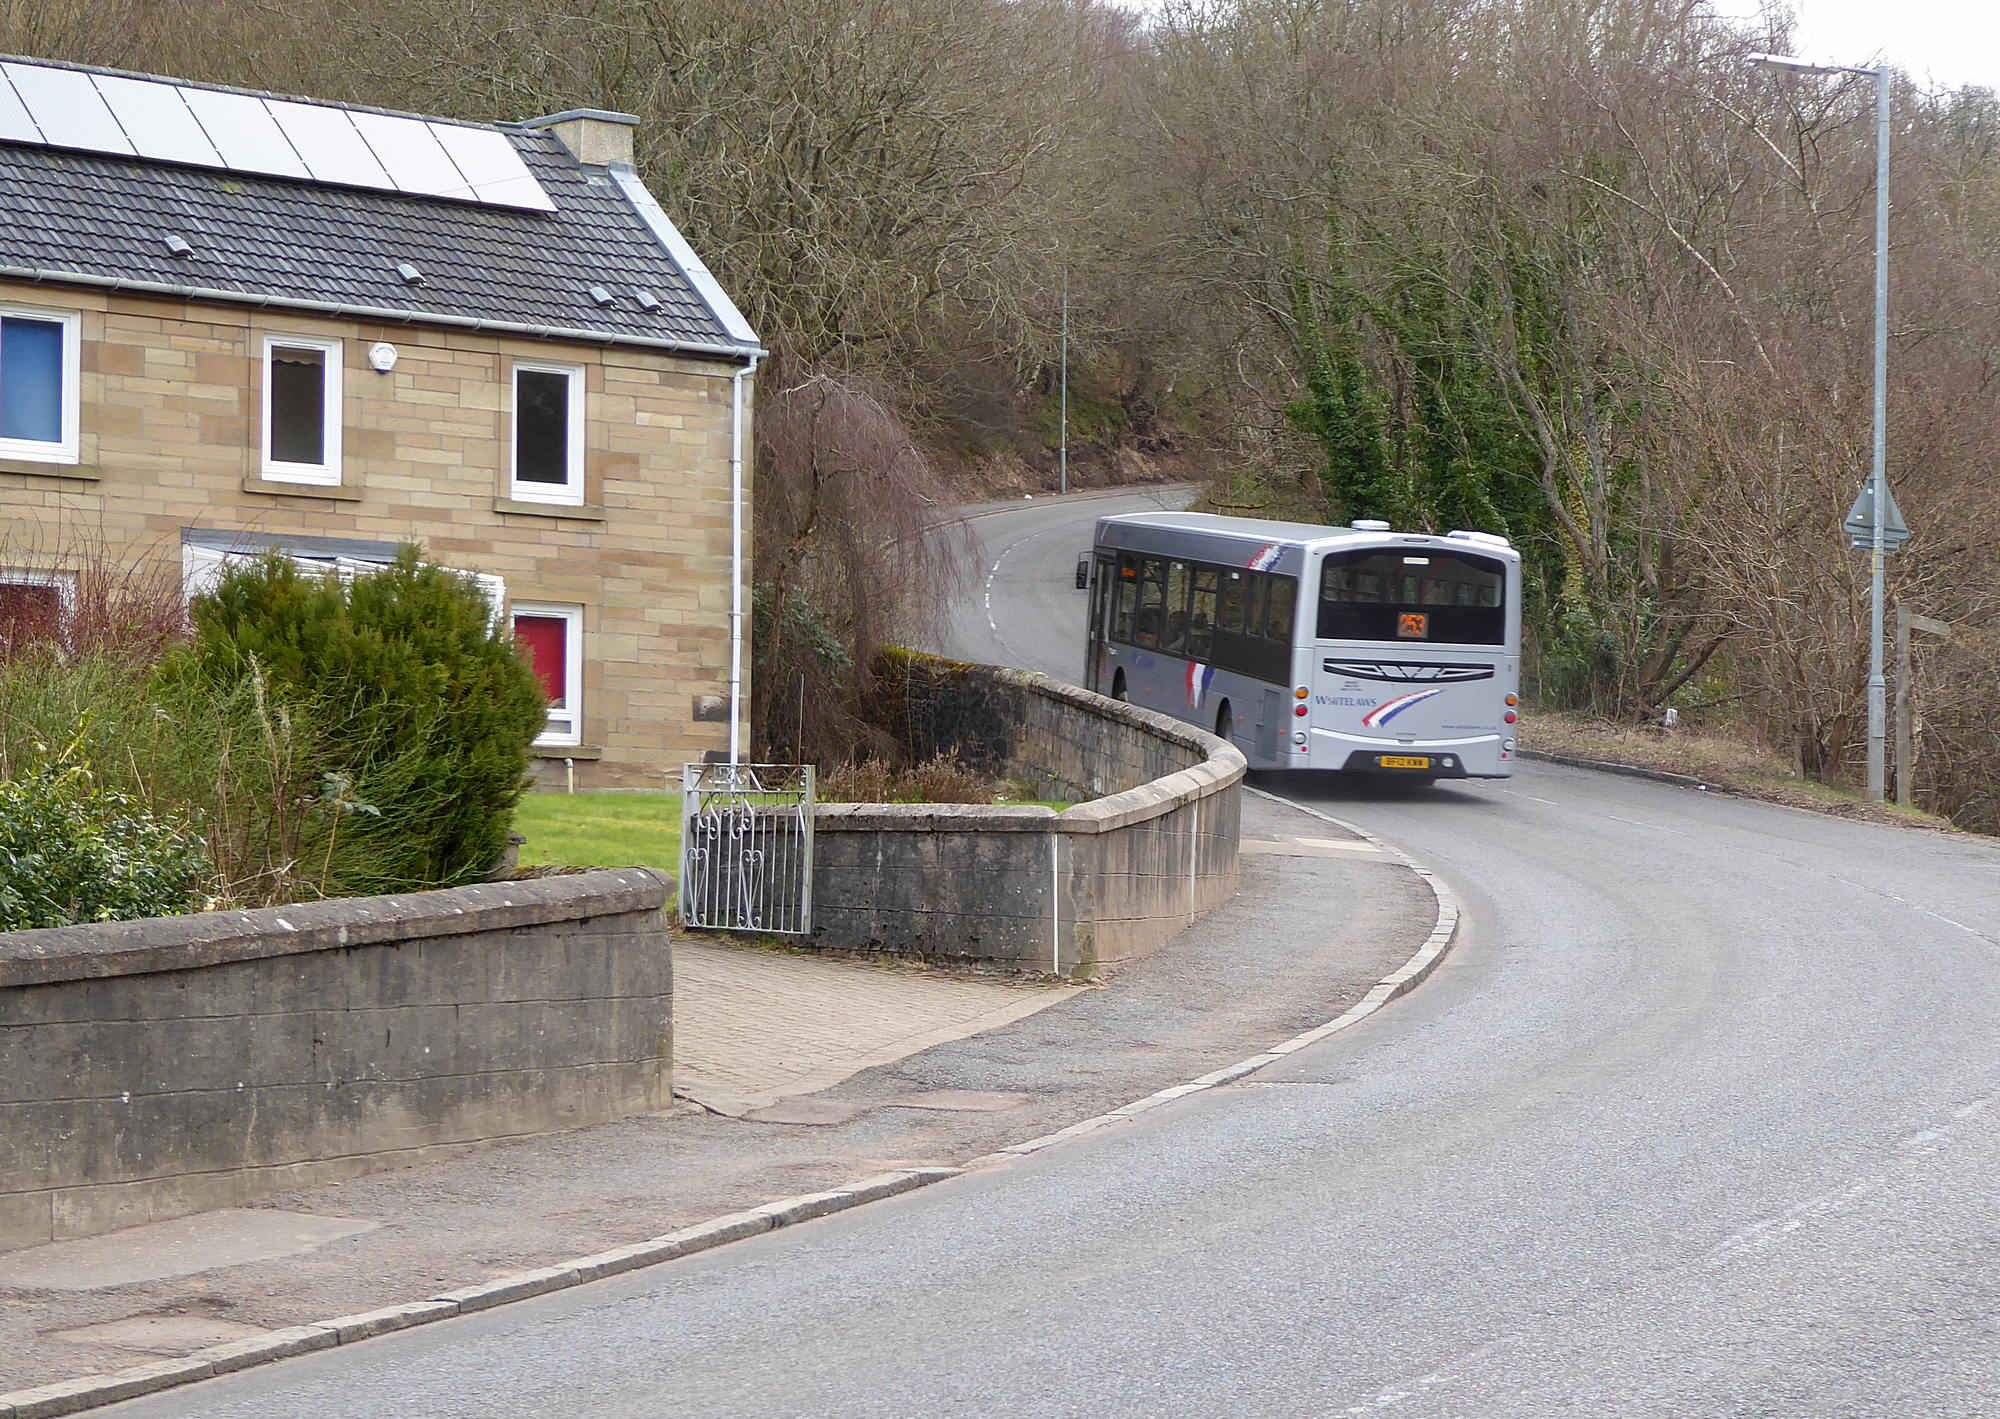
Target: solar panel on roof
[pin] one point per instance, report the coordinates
(14, 121)
(155, 120)
(244, 133)
(329, 146)
(493, 171)
(211, 128)
(68, 109)
(415, 160)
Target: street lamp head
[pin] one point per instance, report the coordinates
(1802, 66)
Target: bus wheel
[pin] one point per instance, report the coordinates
(1118, 686)
(1222, 722)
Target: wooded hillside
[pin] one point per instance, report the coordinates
(1564, 269)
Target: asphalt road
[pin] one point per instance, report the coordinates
(1702, 1118)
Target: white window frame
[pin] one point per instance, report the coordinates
(325, 474)
(565, 729)
(69, 447)
(568, 493)
(63, 582)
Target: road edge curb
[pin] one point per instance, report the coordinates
(1443, 935)
(65, 1397)
(1608, 766)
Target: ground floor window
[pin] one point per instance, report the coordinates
(551, 637)
(31, 608)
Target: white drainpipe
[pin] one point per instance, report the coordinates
(736, 567)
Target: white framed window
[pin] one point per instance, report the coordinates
(40, 363)
(547, 432)
(551, 639)
(301, 409)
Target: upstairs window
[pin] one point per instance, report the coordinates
(301, 409)
(548, 433)
(551, 639)
(38, 384)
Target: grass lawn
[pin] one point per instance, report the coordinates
(601, 830)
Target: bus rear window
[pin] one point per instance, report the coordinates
(1427, 594)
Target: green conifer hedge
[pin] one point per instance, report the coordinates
(424, 713)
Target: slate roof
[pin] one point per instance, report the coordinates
(269, 240)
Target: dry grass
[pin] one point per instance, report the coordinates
(1723, 761)
(944, 779)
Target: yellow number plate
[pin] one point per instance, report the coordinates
(1403, 761)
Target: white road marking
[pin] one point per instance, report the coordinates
(1516, 793)
(1638, 824)
(1916, 907)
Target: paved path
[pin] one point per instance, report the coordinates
(754, 1026)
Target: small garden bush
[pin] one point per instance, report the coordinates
(307, 737)
(72, 850)
(421, 713)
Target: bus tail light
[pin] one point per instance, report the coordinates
(1510, 716)
(1299, 710)
(1300, 693)
(1513, 700)
(1299, 737)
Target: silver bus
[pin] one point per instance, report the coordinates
(1354, 649)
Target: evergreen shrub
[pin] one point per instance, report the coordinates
(424, 711)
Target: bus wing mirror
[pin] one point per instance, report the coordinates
(1082, 572)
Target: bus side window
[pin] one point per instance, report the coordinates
(1127, 603)
(1253, 605)
(1152, 594)
(1284, 603)
(1201, 614)
(1235, 597)
(1174, 639)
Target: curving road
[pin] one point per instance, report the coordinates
(1701, 1118)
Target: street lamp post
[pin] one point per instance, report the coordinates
(1878, 481)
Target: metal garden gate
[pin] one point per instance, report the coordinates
(746, 847)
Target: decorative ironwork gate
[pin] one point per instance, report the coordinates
(746, 847)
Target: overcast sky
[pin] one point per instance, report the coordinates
(1947, 41)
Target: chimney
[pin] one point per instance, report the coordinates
(594, 136)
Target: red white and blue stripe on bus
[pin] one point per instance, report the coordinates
(1389, 709)
(1266, 557)
(1198, 678)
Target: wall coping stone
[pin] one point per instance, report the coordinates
(177, 943)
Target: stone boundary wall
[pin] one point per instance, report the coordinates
(1075, 893)
(150, 1069)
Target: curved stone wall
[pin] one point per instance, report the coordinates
(1075, 892)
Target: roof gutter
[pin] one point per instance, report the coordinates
(750, 351)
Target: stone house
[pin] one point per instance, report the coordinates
(232, 321)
